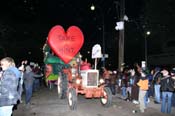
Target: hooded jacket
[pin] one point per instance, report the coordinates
(8, 88)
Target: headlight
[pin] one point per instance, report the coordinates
(78, 81)
(101, 81)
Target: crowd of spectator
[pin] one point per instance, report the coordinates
(137, 85)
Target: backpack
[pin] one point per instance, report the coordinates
(157, 77)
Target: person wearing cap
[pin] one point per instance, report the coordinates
(167, 88)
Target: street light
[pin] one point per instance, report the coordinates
(146, 54)
(92, 7)
(103, 31)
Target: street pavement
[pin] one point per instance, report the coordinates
(45, 102)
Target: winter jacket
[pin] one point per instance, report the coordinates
(167, 84)
(8, 88)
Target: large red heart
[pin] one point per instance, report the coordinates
(65, 44)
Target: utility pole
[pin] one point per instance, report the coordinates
(121, 37)
(146, 47)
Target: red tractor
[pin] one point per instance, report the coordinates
(87, 83)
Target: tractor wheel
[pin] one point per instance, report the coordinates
(106, 100)
(72, 99)
(62, 86)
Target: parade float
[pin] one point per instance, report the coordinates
(73, 76)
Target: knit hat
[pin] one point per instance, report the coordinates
(165, 72)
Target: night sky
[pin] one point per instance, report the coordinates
(24, 27)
